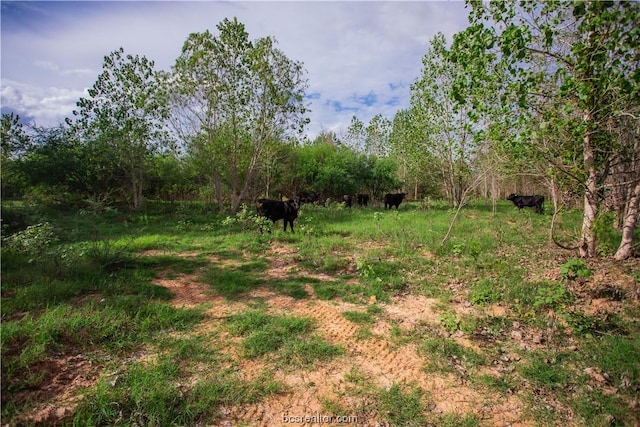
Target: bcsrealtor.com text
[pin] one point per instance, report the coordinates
(319, 419)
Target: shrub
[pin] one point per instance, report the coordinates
(575, 268)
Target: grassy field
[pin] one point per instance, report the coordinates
(178, 316)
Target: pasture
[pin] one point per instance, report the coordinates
(177, 315)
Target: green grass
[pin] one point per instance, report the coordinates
(288, 339)
(85, 284)
(402, 408)
(150, 394)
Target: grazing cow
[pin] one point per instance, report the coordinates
(347, 200)
(363, 199)
(535, 201)
(393, 200)
(276, 210)
(309, 197)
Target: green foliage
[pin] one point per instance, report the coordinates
(550, 295)
(247, 218)
(260, 94)
(449, 321)
(123, 116)
(34, 241)
(608, 237)
(334, 170)
(574, 268)
(486, 291)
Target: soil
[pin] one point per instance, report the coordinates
(380, 359)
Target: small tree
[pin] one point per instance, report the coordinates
(125, 114)
(13, 141)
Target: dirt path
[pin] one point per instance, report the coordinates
(378, 359)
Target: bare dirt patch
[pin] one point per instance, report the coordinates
(382, 362)
(64, 376)
(186, 289)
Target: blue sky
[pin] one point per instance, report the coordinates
(360, 56)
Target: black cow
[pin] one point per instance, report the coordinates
(535, 201)
(347, 200)
(363, 199)
(276, 210)
(309, 197)
(393, 200)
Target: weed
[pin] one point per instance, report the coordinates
(449, 321)
(550, 295)
(148, 394)
(486, 291)
(304, 352)
(445, 354)
(574, 268)
(328, 291)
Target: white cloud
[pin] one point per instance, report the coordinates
(48, 106)
(52, 52)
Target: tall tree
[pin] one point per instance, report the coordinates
(578, 58)
(419, 168)
(356, 134)
(125, 114)
(233, 100)
(377, 136)
(445, 127)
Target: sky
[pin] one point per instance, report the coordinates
(360, 56)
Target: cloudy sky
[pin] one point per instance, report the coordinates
(360, 56)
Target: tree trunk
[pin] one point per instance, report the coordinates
(629, 225)
(494, 194)
(217, 181)
(136, 189)
(587, 244)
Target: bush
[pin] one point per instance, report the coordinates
(34, 241)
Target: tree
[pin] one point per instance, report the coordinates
(125, 114)
(356, 135)
(443, 122)
(14, 140)
(419, 169)
(577, 58)
(377, 136)
(233, 100)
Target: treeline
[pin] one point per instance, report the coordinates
(529, 98)
(58, 169)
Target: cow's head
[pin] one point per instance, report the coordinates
(294, 203)
(512, 196)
